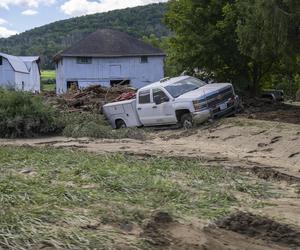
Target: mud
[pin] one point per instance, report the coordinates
(264, 109)
(162, 231)
(261, 228)
(268, 173)
(270, 148)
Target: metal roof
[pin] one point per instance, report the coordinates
(20, 63)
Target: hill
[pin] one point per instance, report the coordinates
(47, 40)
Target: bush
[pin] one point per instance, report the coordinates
(95, 126)
(25, 115)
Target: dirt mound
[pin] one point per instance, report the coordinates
(266, 109)
(155, 231)
(91, 98)
(268, 173)
(261, 228)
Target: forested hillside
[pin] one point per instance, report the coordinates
(49, 39)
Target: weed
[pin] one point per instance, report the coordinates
(95, 126)
(25, 115)
(73, 191)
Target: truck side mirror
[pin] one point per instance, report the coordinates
(157, 100)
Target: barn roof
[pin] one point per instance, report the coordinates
(110, 43)
(20, 63)
(17, 64)
(28, 60)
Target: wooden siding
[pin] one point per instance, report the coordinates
(102, 70)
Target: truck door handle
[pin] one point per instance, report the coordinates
(139, 108)
(154, 107)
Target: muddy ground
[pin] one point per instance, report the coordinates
(269, 149)
(273, 147)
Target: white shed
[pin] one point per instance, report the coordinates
(108, 57)
(20, 72)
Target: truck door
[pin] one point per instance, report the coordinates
(145, 108)
(164, 111)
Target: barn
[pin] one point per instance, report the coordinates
(20, 72)
(108, 57)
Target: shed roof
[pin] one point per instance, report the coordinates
(110, 43)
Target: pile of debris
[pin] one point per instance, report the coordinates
(266, 109)
(91, 98)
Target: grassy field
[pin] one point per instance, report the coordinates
(48, 80)
(48, 74)
(76, 200)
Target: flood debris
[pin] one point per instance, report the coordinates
(89, 99)
(267, 109)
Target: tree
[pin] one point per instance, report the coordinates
(267, 35)
(238, 40)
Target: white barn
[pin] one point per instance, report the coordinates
(20, 72)
(108, 57)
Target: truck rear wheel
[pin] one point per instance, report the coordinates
(186, 121)
(120, 124)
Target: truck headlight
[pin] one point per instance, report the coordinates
(198, 105)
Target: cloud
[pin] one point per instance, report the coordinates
(29, 12)
(28, 3)
(4, 32)
(2, 21)
(81, 7)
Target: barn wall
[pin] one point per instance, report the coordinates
(21, 81)
(61, 86)
(34, 82)
(7, 75)
(102, 70)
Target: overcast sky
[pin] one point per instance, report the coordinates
(17, 16)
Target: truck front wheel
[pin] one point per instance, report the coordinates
(186, 121)
(120, 124)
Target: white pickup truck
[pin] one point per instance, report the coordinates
(183, 100)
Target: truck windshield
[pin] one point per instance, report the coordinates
(179, 88)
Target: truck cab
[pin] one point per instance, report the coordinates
(183, 100)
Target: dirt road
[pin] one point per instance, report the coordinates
(233, 142)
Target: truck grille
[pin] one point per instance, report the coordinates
(220, 97)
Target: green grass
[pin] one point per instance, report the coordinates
(48, 87)
(25, 115)
(48, 80)
(67, 191)
(48, 74)
(94, 125)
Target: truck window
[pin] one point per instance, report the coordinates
(144, 97)
(161, 94)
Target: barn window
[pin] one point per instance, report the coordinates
(1, 61)
(144, 59)
(84, 60)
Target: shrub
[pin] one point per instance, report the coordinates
(25, 115)
(95, 126)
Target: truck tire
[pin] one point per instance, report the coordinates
(186, 121)
(120, 124)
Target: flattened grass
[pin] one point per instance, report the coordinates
(77, 200)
